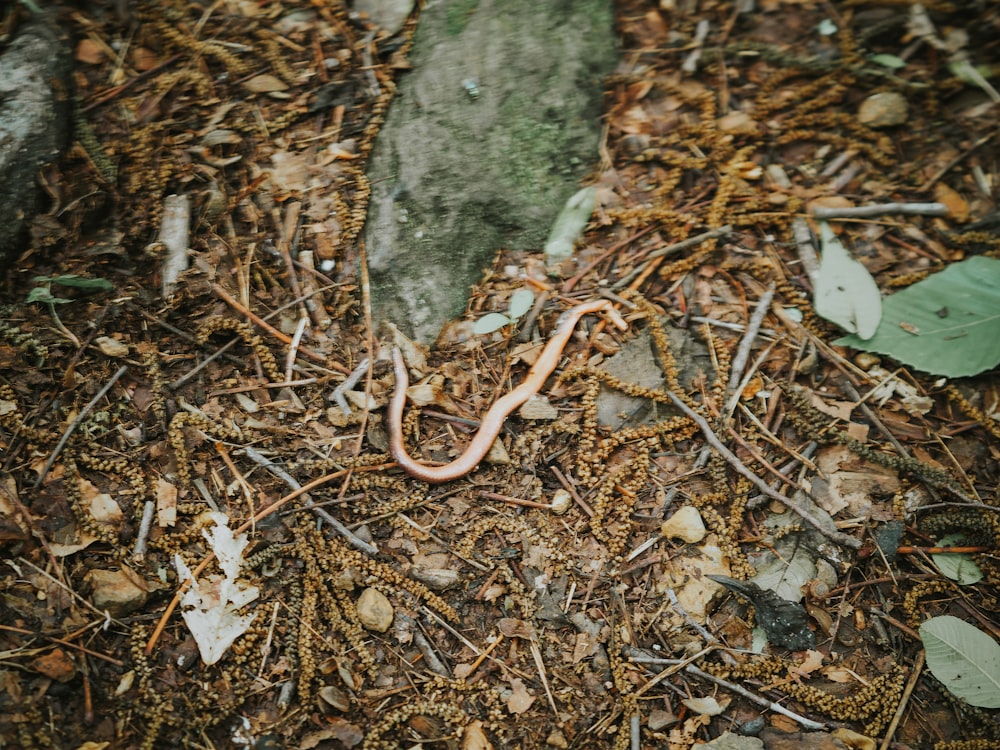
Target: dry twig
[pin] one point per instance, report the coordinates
(84, 412)
(868, 212)
(807, 515)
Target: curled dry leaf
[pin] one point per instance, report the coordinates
(56, 665)
(520, 699)
(513, 628)
(474, 737)
(707, 706)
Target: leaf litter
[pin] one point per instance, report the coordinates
(600, 637)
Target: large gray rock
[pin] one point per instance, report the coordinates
(486, 139)
(35, 121)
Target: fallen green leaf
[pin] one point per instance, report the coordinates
(569, 225)
(964, 659)
(948, 324)
(490, 322)
(77, 282)
(958, 566)
(888, 61)
(42, 294)
(520, 302)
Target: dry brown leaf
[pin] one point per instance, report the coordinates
(512, 628)
(90, 52)
(957, 206)
(56, 665)
(144, 59)
(850, 482)
(586, 646)
(474, 737)
(341, 730)
(520, 699)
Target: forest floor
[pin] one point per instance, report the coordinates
(539, 601)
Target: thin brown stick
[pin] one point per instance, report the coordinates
(904, 699)
(902, 626)
(514, 500)
(575, 279)
(353, 539)
(259, 322)
(669, 250)
(200, 567)
(88, 699)
(674, 668)
(536, 654)
(771, 705)
(956, 161)
(286, 227)
(76, 423)
(104, 615)
(293, 347)
(472, 646)
(759, 458)
(63, 642)
(366, 307)
(107, 97)
(806, 514)
(485, 654)
(908, 550)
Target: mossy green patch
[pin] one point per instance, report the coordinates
(457, 15)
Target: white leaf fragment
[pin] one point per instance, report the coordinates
(210, 606)
(845, 293)
(520, 302)
(569, 225)
(490, 322)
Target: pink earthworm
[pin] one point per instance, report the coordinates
(492, 421)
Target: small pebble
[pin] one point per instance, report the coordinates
(883, 110)
(374, 610)
(686, 524)
(562, 501)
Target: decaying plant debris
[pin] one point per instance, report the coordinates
(509, 624)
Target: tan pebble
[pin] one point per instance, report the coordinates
(497, 455)
(120, 592)
(111, 347)
(538, 407)
(866, 360)
(883, 110)
(374, 610)
(562, 501)
(685, 524)
(437, 579)
(556, 739)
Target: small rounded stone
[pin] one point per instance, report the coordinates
(562, 501)
(686, 524)
(883, 110)
(374, 610)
